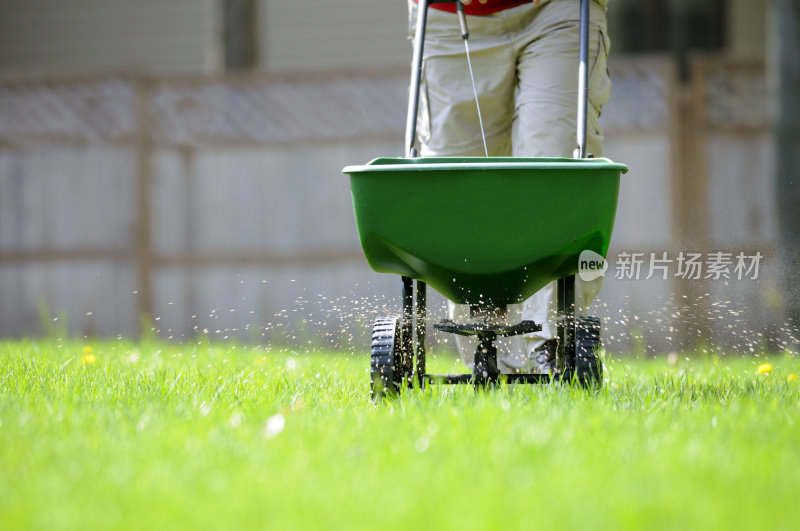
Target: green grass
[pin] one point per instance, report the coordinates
(176, 436)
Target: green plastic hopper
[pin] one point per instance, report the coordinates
(484, 230)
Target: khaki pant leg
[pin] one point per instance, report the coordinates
(545, 120)
(447, 122)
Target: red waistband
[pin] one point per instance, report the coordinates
(476, 8)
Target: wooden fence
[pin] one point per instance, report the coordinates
(216, 204)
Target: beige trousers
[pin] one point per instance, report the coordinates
(525, 61)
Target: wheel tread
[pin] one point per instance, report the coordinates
(385, 361)
(588, 366)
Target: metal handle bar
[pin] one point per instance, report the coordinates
(583, 79)
(416, 74)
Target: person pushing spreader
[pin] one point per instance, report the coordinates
(465, 226)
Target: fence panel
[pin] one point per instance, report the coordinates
(217, 203)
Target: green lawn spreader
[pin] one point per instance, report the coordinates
(467, 227)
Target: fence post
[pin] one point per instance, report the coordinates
(691, 208)
(143, 251)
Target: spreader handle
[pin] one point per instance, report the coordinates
(416, 74)
(583, 80)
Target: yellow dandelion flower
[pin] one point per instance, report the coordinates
(88, 358)
(299, 404)
(87, 350)
(791, 378)
(764, 368)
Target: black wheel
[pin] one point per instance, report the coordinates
(386, 363)
(588, 365)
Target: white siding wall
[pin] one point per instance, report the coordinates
(91, 35)
(325, 35)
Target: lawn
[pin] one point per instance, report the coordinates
(113, 434)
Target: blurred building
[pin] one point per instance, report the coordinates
(212, 36)
(201, 36)
(180, 159)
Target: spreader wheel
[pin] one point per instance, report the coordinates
(386, 364)
(588, 365)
